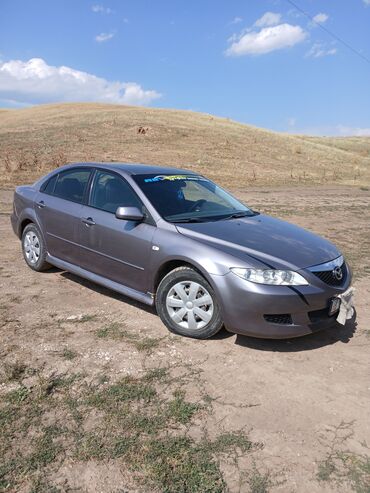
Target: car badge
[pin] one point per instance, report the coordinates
(338, 273)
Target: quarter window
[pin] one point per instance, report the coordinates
(71, 184)
(48, 187)
(111, 191)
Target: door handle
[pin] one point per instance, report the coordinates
(41, 204)
(89, 221)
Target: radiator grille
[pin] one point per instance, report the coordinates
(329, 277)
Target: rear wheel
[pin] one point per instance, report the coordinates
(33, 248)
(187, 304)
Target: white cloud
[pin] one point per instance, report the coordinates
(236, 20)
(366, 2)
(34, 81)
(320, 18)
(318, 50)
(332, 131)
(102, 37)
(101, 9)
(268, 19)
(353, 131)
(294, 13)
(267, 40)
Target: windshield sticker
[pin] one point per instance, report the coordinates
(174, 178)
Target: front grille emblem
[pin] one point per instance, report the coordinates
(338, 273)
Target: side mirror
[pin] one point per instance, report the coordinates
(129, 214)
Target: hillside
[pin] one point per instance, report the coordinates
(37, 139)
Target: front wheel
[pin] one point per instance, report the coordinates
(187, 305)
(33, 248)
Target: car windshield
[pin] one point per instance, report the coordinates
(190, 198)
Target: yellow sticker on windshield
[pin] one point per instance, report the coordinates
(173, 178)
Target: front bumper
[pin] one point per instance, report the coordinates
(253, 309)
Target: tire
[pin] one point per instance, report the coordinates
(33, 248)
(178, 309)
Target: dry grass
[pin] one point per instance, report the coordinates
(355, 145)
(142, 426)
(35, 140)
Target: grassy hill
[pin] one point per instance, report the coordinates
(37, 139)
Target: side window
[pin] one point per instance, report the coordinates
(48, 187)
(71, 184)
(110, 191)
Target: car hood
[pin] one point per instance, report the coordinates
(271, 241)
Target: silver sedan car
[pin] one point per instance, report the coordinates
(174, 239)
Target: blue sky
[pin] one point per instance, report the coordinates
(256, 61)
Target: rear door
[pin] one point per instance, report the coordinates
(114, 248)
(58, 207)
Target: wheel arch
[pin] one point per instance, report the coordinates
(25, 222)
(29, 217)
(171, 264)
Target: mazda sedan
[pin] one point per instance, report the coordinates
(174, 239)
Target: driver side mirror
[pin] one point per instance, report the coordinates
(129, 214)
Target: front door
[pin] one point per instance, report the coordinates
(114, 248)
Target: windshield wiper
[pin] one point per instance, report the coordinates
(213, 218)
(235, 215)
(187, 220)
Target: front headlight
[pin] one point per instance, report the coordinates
(271, 276)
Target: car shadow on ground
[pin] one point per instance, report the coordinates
(338, 333)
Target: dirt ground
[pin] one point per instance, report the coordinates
(304, 404)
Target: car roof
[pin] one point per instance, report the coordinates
(135, 168)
